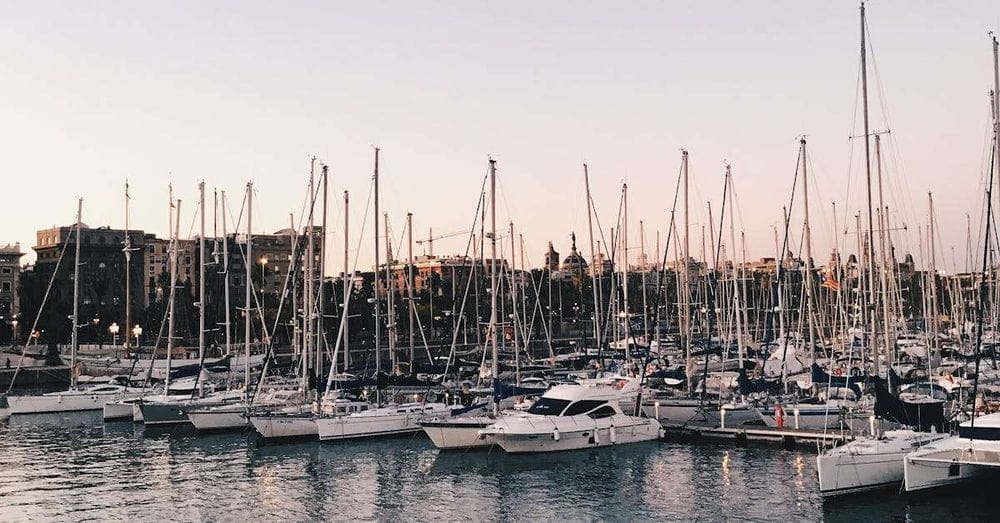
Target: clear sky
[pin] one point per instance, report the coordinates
(161, 92)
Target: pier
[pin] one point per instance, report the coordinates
(785, 437)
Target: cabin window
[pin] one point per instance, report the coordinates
(548, 407)
(582, 406)
(603, 412)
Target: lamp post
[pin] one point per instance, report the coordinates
(113, 329)
(137, 331)
(263, 264)
(13, 327)
(97, 333)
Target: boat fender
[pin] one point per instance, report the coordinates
(613, 435)
(597, 436)
(838, 371)
(555, 434)
(779, 416)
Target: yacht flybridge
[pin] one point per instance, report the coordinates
(575, 416)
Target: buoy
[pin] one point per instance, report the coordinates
(555, 434)
(613, 435)
(779, 416)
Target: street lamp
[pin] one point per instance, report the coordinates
(137, 331)
(13, 326)
(113, 329)
(97, 333)
(263, 264)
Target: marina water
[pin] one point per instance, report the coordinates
(74, 467)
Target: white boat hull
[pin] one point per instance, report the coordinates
(137, 413)
(458, 433)
(231, 418)
(279, 427)
(118, 410)
(954, 460)
(391, 420)
(686, 412)
(868, 463)
(643, 429)
(72, 401)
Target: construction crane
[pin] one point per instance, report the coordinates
(430, 239)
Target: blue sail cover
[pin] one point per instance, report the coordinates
(922, 416)
(504, 390)
(749, 386)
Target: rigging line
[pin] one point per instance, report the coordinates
(41, 307)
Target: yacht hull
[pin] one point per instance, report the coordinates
(61, 402)
(952, 461)
(118, 410)
(645, 429)
(868, 464)
(219, 419)
(690, 412)
(285, 427)
(460, 433)
(392, 420)
(166, 413)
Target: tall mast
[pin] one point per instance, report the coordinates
(201, 275)
(868, 190)
(321, 307)
(808, 279)
(624, 233)
(737, 310)
(309, 295)
(513, 305)
(886, 271)
(348, 281)
(643, 271)
(378, 327)
(76, 295)
(225, 272)
(247, 297)
(593, 266)
(128, 274)
(933, 276)
(390, 310)
(409, 285)
(685, 323)
(493, 269)
(173, 292)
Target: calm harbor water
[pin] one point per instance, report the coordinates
(73, 466)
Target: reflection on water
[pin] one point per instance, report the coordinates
(72, 466)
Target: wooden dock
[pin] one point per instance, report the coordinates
(742, 435)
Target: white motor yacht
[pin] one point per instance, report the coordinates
(574, 416)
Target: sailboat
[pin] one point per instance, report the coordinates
(75, 398)
(975, 451)
(458, 432)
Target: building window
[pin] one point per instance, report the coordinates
(6, 286)
(7, 270)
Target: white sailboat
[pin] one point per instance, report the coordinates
(74, 399)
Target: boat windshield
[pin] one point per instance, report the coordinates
(548, 407)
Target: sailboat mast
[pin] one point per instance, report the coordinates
(808, 279)
(249, 284)
(409, 286)
(321, 346)
(683, 290)
(593, 265)
(75, 343)
(933, 276)
(201, 275)
(493, 270)
(378, 327)
(869, 309)
(307, 313)
(625, 309)
(173, 292)
(128, 274)
(348, 281)
(225, 272)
